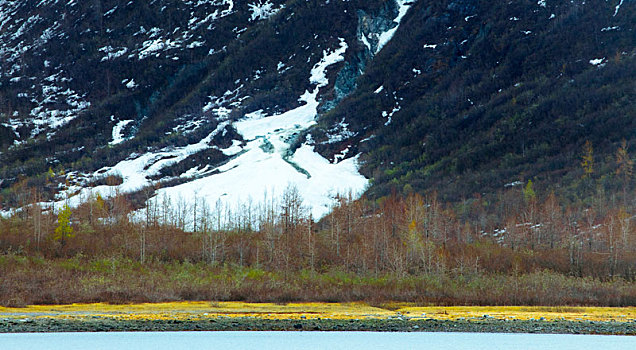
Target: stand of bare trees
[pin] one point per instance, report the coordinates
(398, 235)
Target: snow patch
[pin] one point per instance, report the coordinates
(597, 62)
(154, 46)
(220, 105)
(112, 53)
(280, 125)
(44, 116)
(110, 12)
(118, 135)
(618, 8)
(339, 132)
(234, 149)
(389, 114)
(131, 84)
(403, 8)
(318, 75)
(365, 41)
(262, 10)
(195, 44)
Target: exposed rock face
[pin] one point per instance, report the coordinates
(370, 27)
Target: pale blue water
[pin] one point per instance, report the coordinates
(310, 340)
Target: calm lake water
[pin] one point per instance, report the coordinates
(310, 340)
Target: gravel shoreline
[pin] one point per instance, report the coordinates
(99, 324)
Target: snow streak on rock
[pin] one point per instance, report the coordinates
(403, 7)
(118, 136)
(618, 8)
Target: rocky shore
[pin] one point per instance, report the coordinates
(105, 324)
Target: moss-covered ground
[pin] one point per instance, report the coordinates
(243, 316)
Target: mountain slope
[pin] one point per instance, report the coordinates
(471, 96)
(197, 99)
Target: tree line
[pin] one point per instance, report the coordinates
(402, 235)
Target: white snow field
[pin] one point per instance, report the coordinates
(266, 165)
(262, 166)
(311, 340)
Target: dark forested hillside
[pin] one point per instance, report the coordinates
(493, 93)
(466, 98)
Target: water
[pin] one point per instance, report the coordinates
(310, 340)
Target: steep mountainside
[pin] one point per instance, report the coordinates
(229, 100)
(471, 96)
